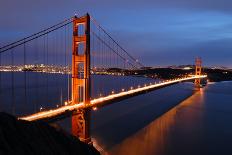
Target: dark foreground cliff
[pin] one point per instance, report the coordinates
(22, 137)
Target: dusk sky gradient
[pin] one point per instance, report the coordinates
(158, 32)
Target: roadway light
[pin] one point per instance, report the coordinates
(94, 108)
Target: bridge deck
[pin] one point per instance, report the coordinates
(103, 100)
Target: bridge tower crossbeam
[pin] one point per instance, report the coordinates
(198, 70)
(81, 77)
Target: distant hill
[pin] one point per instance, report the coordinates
(214, 75)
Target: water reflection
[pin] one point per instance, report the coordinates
(155, 138)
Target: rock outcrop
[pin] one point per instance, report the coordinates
(22, 137)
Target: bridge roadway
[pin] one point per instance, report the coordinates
(50, 114)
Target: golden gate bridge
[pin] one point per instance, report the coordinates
(78, 49)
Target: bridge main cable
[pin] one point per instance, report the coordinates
(112, 49)
(36, 35)
(100, 27)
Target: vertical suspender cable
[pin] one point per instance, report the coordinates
(36, 76)
(65, 53)
(25, 72)
(68, 66)
(12, 82)
(92, 53)
(47, 68)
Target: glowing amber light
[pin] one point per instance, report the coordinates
(94, 108)
(95, 102)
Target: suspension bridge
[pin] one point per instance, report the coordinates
(66, 67)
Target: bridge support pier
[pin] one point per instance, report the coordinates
(198, 68)
(81, 77)
(81, 125)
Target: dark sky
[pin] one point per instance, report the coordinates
(158, 32)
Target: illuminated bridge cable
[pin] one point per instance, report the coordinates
(25, 73)
(47, 68)
(65, 57)
(12, 82)
(42, 54)
(13, 45)
(100, 27)
(68, 75)
(112, 49)
(36, 76)
(21, 41)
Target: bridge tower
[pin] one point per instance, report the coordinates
(198, 68)
(81, 77)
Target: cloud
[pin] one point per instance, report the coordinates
(167, 31)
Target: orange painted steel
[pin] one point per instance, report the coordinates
(53, 113)
(81, 77)
(198, 67)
